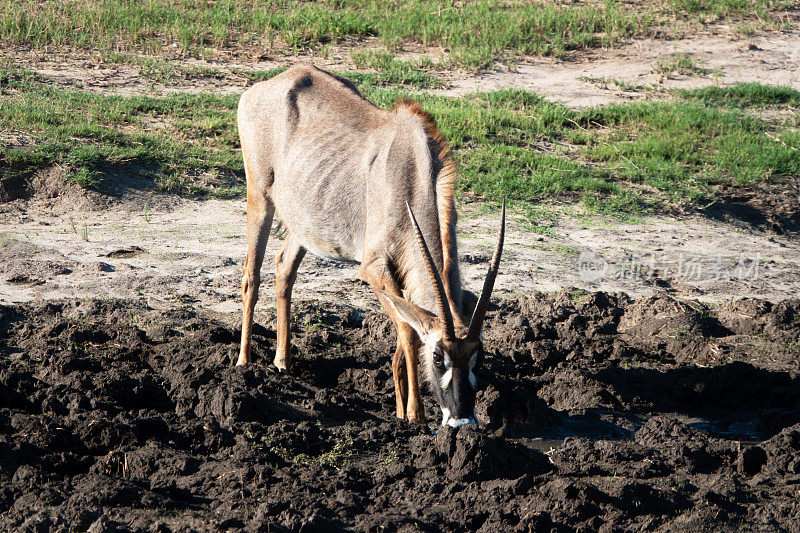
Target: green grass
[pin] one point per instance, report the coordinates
(335, 451)
(93, 136)
(419, 80)
(476, 32)
(607, 82)
(684, 148)
(259, 75)
(744, 95)
(711, 10)
(619, 159)
(161, 70)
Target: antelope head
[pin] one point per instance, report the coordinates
(451, 348)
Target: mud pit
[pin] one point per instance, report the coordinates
(599, 412)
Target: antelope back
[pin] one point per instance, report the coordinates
(339, 172)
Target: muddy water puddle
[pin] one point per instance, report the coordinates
(743, 432)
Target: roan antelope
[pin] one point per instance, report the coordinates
(347, 180)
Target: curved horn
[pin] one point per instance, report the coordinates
(479, 314)
(446, 317)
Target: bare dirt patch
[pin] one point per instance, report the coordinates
(192, 251)
(588, 79)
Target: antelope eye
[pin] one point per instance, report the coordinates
(438, 359)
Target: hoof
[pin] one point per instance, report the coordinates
(280, 364)
(417, 418)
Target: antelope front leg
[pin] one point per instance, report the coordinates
(259, 222)
(287, 261)
(415, 411)
(379, 277)
(406, 384)
(400, 381)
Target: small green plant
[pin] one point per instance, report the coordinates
(579, 295)
(537, 220)
(386, 459)
(339, 453)
(158, 70)
(84, 232)
(718, 76)
(680, 63)
(606, 82)
(85, 177)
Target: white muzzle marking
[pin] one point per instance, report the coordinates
(457, 423)
(472, 379)
(448, 420)
(445, 415)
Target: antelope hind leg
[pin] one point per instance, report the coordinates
(287, 261)
(259, 221)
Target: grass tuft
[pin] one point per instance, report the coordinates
(680, 63)
(744, 95)
(713, 10)
(392, 71)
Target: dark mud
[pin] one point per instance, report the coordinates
(772, 207)
(599, 413)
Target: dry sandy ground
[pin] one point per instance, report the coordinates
(771, 59)
(579, 81)
(170, 250)
(191, 251)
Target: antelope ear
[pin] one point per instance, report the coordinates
(423, 322)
